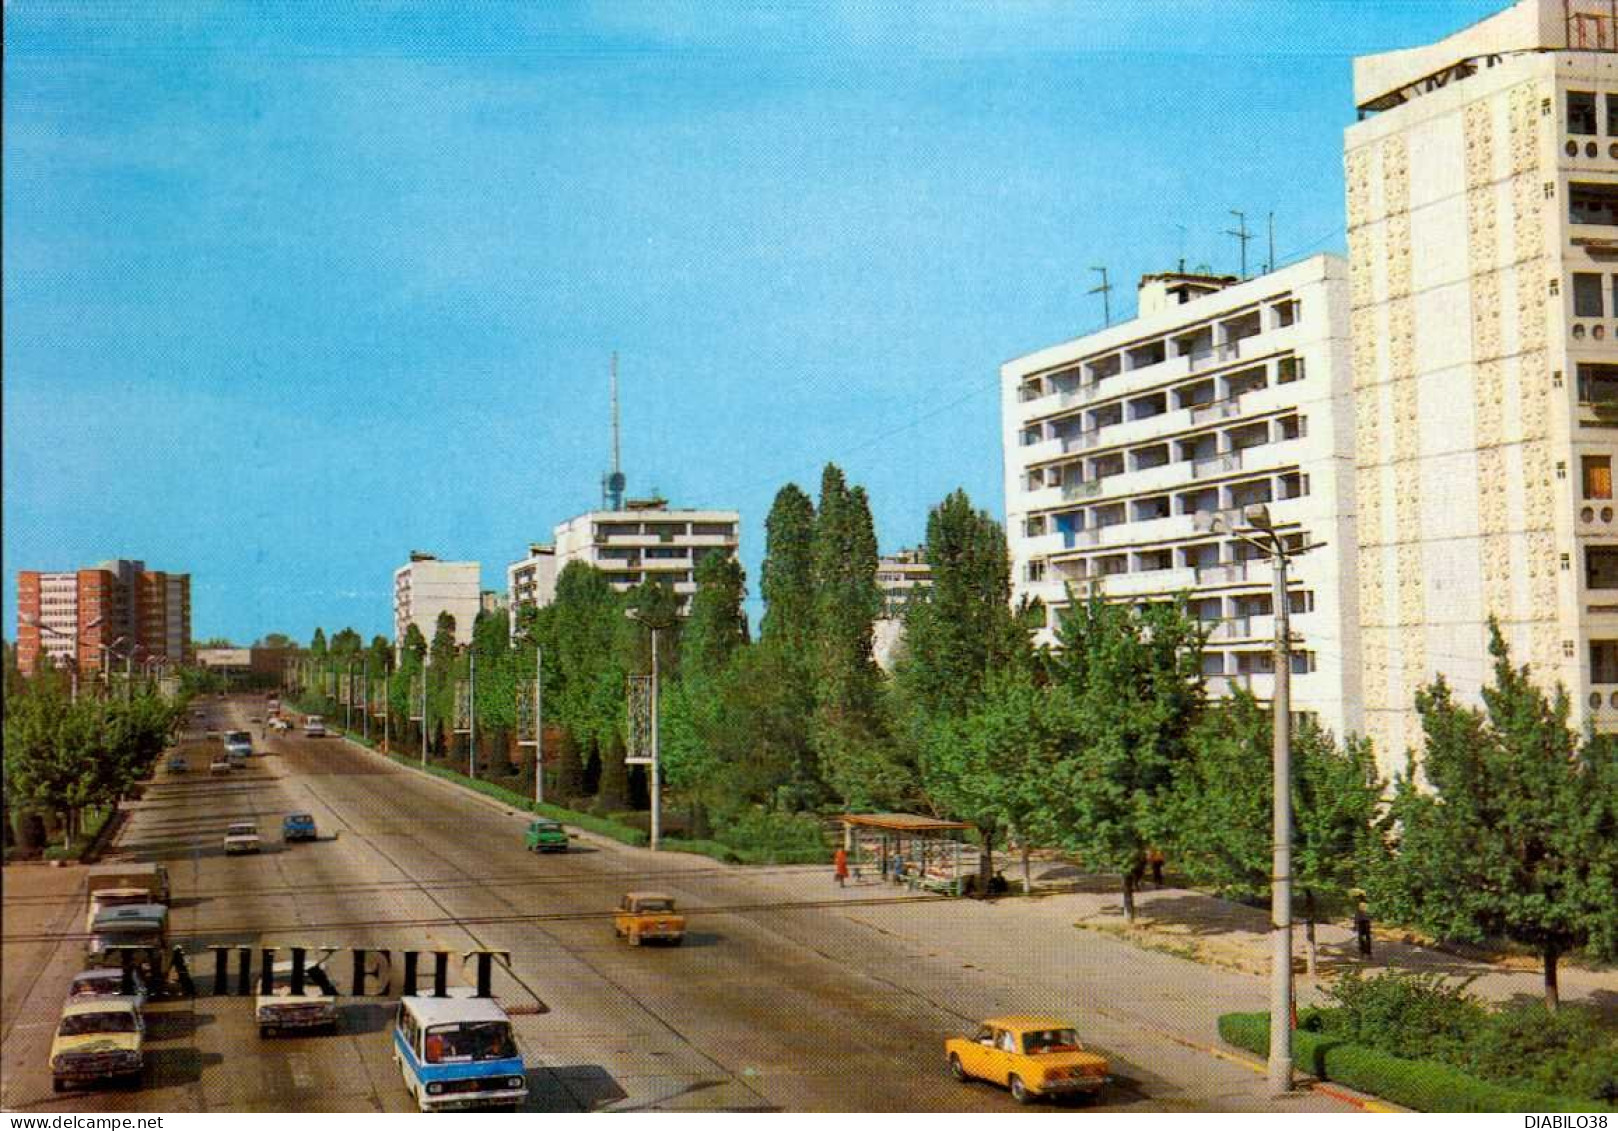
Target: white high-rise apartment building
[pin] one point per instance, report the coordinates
(1483, 258)
(644, 540)
(1123, 447)
(425, 587)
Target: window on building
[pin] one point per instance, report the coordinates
(1590, 203)
(1036, 570)
(1581, 112)
(1587, 296)
(1288, 370)
(1604, 661)
(1601, 567)
(1612, 115)
(1597, 476)
(1598, 385)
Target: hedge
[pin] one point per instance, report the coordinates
(1423, 1085)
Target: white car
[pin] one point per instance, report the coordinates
(242, 836)
(238, 744)
(220, 765)
(314, 726)
(280, 1011)
(106, 982)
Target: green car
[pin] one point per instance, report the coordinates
(545, 835)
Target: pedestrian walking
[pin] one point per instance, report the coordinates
(839, 863)
(1362, 926)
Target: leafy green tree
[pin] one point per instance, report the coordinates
(847, 729)
(1222, 816)
(1132, 676)
(717, 625)
(346, 642)
(442, 672)
(694, 747)
(317, 644)
(958, 633)
(962, 627)
(587, 618)
(1515, 836)
(984, 764)
(403, 696)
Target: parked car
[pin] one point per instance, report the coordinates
(107, 982)
(1032, 1056)
(314, 726)
(220, 765)
(242, 836)
(546, 835)
(281, 1009)
(648, 916)
(178, 764)
(98, 1040)
(298, 826)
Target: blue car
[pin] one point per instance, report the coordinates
(298, 826)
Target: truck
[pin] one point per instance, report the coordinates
(119, 885)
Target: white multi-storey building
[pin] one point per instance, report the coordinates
(1123, 448)
(645, 540)
(898, 576)
(1483, 258)
(425, 587)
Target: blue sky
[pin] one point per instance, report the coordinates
(291, 290)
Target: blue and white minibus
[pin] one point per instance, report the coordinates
(458, 1052)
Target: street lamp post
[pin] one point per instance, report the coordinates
(472, 712)
(539, 724)
(1274, 546)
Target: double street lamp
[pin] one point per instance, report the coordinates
(1261, 533)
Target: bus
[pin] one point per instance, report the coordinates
(458, 1052)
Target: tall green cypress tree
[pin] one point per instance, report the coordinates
(848, 731)
(787, 579)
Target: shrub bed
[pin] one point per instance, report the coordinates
(1424, 1085)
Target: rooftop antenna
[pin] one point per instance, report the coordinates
(1242, 234)
(1271, 265)
(612, 483)
(1105, 291)
(1181, 229)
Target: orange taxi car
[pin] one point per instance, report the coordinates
(648, 916)
(1032, 1056)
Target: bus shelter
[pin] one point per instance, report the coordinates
(904, 848)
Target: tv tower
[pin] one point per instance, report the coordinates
(612, 483)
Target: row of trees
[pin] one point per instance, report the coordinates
(65, 755)
(1106, 747)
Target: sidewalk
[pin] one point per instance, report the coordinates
(1207, 931)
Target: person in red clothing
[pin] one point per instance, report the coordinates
(839, 863)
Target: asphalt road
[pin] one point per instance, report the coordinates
(779, 1000)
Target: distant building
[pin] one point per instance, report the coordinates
(898, 576)
(645, 540)
(425, 587)
(117, 610)
(531, 582)
(268, 662)
(492, 601)
(1483, 261)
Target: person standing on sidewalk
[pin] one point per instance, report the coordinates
(1362, 925)
(839, 864)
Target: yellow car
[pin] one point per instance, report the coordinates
(1033, 1056)
(648, 916)
(98, 1039)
